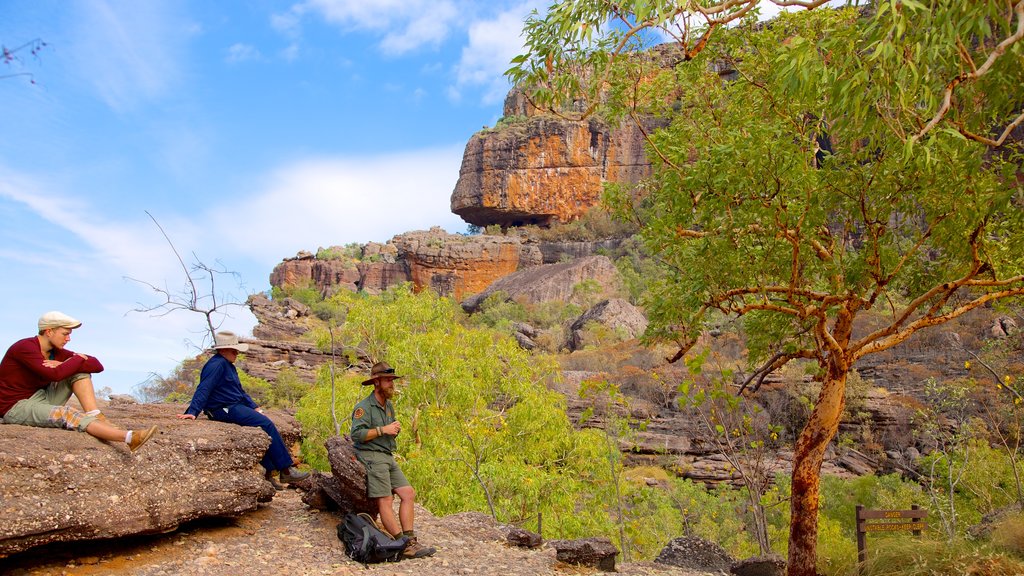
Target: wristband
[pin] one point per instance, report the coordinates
(380, 433)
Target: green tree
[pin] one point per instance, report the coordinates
(812, 170)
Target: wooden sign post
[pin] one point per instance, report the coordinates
(887, 521)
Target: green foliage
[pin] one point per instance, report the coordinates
(472, 403)
(834, 173)
(597, 223)
(175, 387)
(926, 557)
(307, 293)
(349, 252)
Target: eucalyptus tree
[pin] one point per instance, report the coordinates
(812, 169)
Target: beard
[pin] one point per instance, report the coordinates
(387, 393)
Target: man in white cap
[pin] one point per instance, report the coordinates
(38, 375)
(221, 397)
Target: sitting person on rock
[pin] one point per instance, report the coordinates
(374, 429)
(38, 375)
(221, 397)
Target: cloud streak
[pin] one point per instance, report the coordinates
(128, 51)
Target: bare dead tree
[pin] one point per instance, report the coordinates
(198, 294)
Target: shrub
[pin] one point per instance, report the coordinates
(1008, 535)
(911, 557)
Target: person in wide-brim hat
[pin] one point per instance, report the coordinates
(380, 370)
(374, 432)
(221, 397)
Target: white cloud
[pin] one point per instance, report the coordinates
(492, 45)
(242, 53)
(330, 201)
(405, 24)
(128, 51)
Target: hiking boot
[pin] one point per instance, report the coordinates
(140, 437)
(290, 475)
(273, 481)
(416, 550)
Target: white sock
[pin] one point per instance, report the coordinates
(93, 412)
(128, 437)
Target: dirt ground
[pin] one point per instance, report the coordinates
(287, 538)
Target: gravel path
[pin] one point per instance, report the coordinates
(287, 538)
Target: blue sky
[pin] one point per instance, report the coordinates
(249, 129)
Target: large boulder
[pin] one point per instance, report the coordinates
(60, 485)
(456, 265)
(345, 488)
(598, 553)
(552, 282)
(695, 554)
(615, 314)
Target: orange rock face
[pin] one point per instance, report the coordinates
(458, 266)
(450, 264)
(537, 169)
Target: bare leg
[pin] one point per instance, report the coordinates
(86, 394)
(105, 431)
(387, 515)
(406, 508)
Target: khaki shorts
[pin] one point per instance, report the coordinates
(46, 409)
(382, 473)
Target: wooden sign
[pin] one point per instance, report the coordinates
(913, 520)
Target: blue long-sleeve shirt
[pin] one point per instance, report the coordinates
(219, 387)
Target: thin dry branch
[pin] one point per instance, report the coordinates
(865, 346)
(951, 86)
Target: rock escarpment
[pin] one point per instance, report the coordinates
(449, 264)
(60, 485)
(537, 168)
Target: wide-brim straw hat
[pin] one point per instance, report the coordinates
(380, 370)
(227, 339)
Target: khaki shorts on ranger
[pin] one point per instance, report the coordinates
(382, 473)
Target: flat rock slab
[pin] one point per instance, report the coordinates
(61, 485)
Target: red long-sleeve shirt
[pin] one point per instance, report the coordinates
(22, 371)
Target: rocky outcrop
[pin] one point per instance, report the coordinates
(345, 488)
(597, 553)
(457, 266)
(552, 282)
(60, 485)
(537, 169)
(449, 264)
(552, 252)
(695, 553)
(305, 269)
(615, 314)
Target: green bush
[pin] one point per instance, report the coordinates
(928, 557)
(472, 403)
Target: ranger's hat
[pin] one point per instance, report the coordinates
(379, 370)
(227, 339)
(56, 319)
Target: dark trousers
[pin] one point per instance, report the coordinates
(277, 456)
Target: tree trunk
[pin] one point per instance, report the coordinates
(807, 459)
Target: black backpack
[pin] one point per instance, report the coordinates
(366, 543)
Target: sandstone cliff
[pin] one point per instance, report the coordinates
(449, 264)
(537, 169)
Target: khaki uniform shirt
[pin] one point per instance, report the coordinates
(368, 415)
